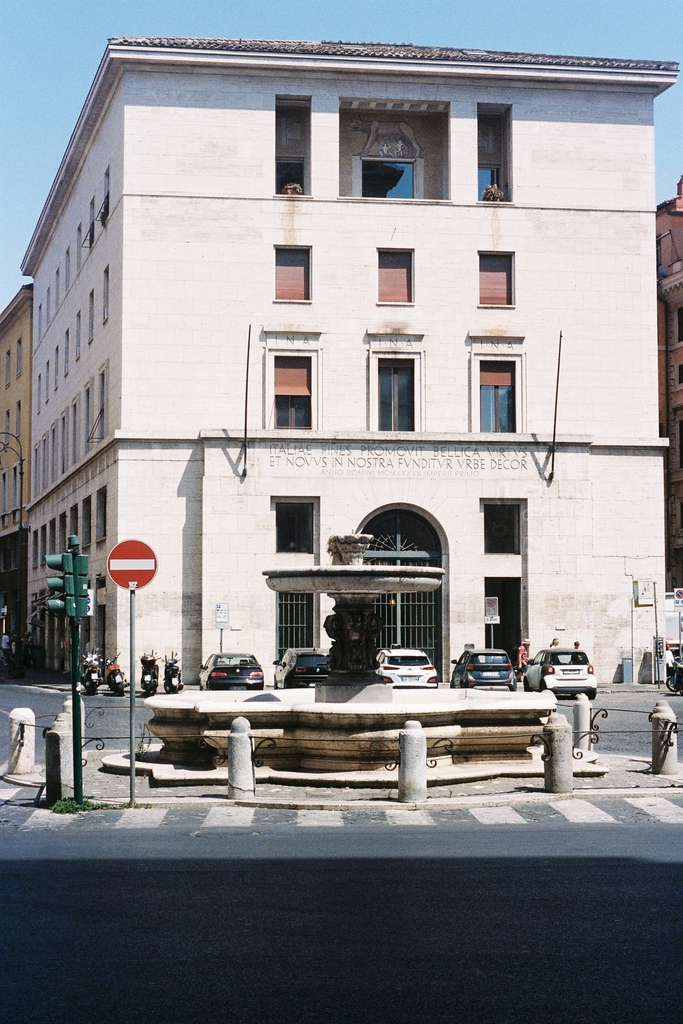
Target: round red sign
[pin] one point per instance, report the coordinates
(132, 564)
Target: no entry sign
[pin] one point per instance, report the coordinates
(132, 564)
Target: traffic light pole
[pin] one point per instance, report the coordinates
(76, 708)
(132, 587)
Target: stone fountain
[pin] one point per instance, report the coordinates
(354, 626)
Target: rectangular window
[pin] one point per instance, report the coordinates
(501, 529)
(679, 317)
(101, 524)
(105, 295)
(39, 391)
(43, 544)
(7, 421)
(292, 146)
(79, 246)
(395, 276)
(52, 537)
(5, 492)
(44, 473)
(47, 382)
(48, 309)
(396, 395)
(104, 212)
(91, 316)
(56, 289)
(67, 339)
(56, 385)
(53, 454)
(40, 320)
(34, 471)
(19, 357)
(292, 392)
(15, 487)
(34, 541)
(91, 224)
(388, 179)
(294, 527)
(495, 279)
(680, 373)
(63, 446)
(101, 405)
(493, 135)
(8, 367)
(62, 532)
(294, 621)
(86, 524)
(67, 270)
(497, 397)
(680, 444)
(74, 433)
(78, 335)
(292, 274)
(87, 415)
(73, 520)
(18, 420)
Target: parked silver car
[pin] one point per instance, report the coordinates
(565, 672)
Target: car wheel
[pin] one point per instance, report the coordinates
(591, 694)
(527, 688)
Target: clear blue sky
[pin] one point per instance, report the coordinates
(50, 50)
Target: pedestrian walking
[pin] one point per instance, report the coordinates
(577, 645)
(554, 642)
(6, 644)
(522, 659)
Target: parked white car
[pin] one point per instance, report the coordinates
(406, 669)
(566, 672)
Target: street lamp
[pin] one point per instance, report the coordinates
(12, 443)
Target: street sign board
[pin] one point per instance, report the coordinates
(491, 614)
(91, 601)
(222, 616)
(132, 564)
(678, 598)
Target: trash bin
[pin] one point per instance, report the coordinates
(627, 669)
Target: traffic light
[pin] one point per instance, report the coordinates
(61, 584)
(81, 585)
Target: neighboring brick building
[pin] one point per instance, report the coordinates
(405, 230)
(16, 340)
(670, 344)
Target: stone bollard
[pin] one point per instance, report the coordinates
(412, 763)
(22, 742)
(582, 723)
(664, 756)
(68, 710)
(558, 769)
(59, 761)
(240, 765)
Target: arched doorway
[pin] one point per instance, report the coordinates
(402, 537)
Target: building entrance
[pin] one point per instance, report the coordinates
(506, 635)
(411, 620)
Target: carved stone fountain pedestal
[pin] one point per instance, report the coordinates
(354, 627)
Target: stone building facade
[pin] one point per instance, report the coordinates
(319, 288)
(16, 340)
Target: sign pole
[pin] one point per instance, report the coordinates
(76, 707)
(220, 644)
(132, 587)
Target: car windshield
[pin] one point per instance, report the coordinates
(568, 658)
(407, 660)
(312, 660)
(234, 660)
(490, 659)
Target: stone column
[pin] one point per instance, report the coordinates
(59, 762)
(664, 740)
(240, 765)
(412, 766)
(558, 770)
(22, 742)
(582, 722)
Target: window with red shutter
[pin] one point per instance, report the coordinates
(497, 397)
(395, 276)
(292, 274)
(292, 389)
(495, 279)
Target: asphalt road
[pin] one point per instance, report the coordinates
(626, 729)
(368, 922)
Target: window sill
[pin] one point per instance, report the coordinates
(395, 304)
(293, 302)
(511, 306)
(488, 205)
(279, 195)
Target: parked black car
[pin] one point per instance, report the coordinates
(484, 668)
(231, 672)
(301, 666)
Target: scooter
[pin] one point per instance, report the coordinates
(91, 673)
(674, 682)
(115, 677)
(149, 679)
(172, 675)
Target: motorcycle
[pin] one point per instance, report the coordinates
(172, 674)
(674, 682)
(115, 677)
(91, 673)
(149, 679)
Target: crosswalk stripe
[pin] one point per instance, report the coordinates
(229, 817)
(329, 819)
(46, 819)
(143, 817)
(497, 816)
(409, 818)
(658, 808)
(582, 812)
(7, 794)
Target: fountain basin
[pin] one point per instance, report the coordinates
(368, 580)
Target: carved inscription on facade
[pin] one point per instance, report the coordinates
(398, 460)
